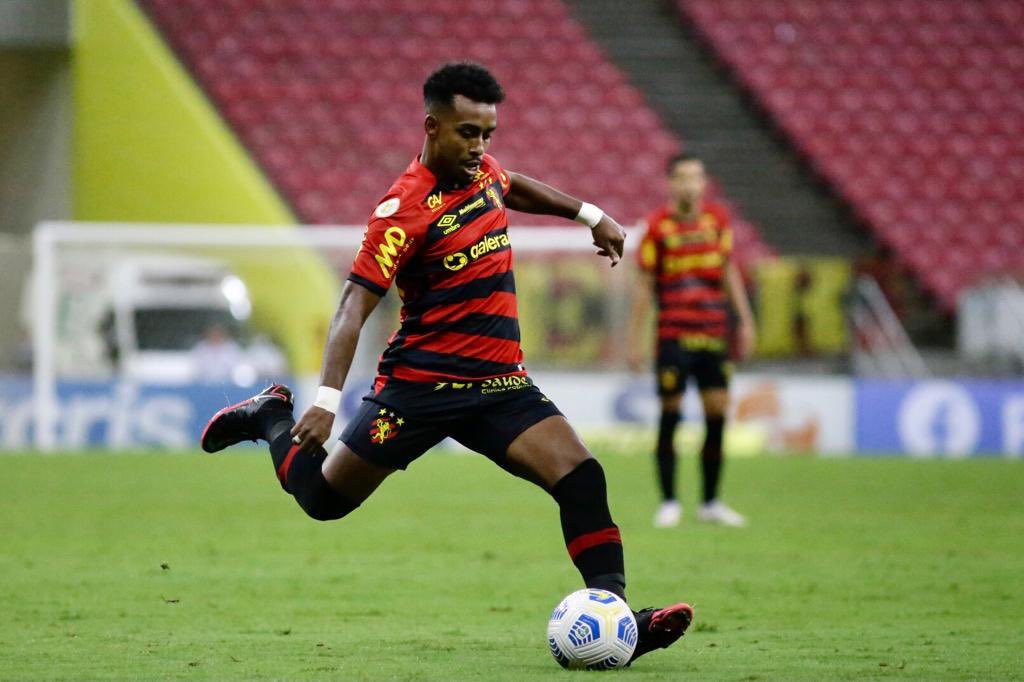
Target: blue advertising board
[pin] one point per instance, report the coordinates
(123, 415)
(940, 418)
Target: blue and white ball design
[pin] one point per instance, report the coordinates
(592, 629)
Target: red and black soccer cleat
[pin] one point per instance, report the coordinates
(660, 628)
(241, 422)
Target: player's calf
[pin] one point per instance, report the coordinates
(591, 537)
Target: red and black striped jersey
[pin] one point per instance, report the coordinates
(449, 254)
(687, 259)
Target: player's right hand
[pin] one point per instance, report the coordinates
(609, 238)
(313, 428)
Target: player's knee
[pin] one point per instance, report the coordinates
(670, 404)
(323, 503)
(584, 482)
(715, 402)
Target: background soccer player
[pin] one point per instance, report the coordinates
(685, 261)
(454, 368)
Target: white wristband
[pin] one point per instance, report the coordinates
(589, 215)
(328, 398)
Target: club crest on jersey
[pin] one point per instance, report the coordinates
(387, 208)
(385, 426)
(391, 249)
(435, 201)
(492, 194)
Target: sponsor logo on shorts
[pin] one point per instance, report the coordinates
(702, 342)
(390, 250)
(495, 385)
(385, 427)
(458, 386)
(504, 384)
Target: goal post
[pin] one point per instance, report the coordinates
(124, 306)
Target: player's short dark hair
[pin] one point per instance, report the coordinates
(461, 78)
(677, 159)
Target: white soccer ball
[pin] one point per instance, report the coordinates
(592, 629)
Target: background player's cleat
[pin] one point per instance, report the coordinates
(660, 628)
(719, 512)
(241, 422)
(668, 515)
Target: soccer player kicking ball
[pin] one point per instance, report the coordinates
(454, 367)
(684, 260)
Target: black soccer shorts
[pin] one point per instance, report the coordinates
(405, 419)
(676, 363)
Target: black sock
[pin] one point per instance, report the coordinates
(299, 472)
(666, 454)
(711, 456)
(591, 536)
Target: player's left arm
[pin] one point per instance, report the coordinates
(737, 293)
(532, 196)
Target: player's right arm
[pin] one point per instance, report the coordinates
(386, 247)
(357, 302)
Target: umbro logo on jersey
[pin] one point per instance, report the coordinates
(447, 222)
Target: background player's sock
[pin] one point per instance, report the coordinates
(666, 454)
(711, 456)
(300, 474)
(591, 536)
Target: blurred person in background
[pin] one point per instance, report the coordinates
(215, 357)
(685, 261)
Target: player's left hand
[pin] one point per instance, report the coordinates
(747, 340)
(313, 428)
(610, 239)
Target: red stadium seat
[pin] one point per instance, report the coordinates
(326, 95)
(912, 109)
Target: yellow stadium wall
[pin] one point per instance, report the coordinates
(148, 146)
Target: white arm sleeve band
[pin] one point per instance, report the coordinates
(589, 215)
(328, 398)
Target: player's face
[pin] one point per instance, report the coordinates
(459, 136)
(687, 182)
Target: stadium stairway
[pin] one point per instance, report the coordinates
(697, 98)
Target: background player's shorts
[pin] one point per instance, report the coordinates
(394, 427)
(675, 364)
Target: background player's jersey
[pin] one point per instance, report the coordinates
(688, 260)
(449, 253)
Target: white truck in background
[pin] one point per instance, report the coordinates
(158, 318)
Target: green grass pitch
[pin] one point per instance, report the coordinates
(189, 566)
